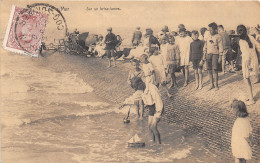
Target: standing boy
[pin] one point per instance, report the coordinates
(213, 48)
(172, 60)
(137, 36)
(196, 54)
(226, 47)
(110, 42)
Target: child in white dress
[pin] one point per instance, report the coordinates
(136, 72)
(249, 58)
(148, 70)
(241, 133)
(160, 66)
(183, 43)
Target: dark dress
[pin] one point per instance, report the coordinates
(110, 41)
(137, 36)
(153, 41)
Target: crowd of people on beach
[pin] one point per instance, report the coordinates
(170, 52)
(156, 58)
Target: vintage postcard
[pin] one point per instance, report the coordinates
(130, 81)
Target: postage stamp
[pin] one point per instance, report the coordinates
(25, 31)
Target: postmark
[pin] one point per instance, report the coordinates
(25, 31)
(56, 28)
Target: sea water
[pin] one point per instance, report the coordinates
(52, 115)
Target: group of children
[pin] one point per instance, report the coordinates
(175, 52)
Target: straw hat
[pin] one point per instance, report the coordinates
(165, 28)
(149, 31)
(181, 26)
(182, 30)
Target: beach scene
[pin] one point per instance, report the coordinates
(64, 106)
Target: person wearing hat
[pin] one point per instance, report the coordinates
(137, 36)
(153, 43)
(184, 41)
(110, 41)
(181, 26)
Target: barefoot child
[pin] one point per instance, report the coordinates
(136, 72)
(184, 45)
(172, 59)
(159, 66)
(148, 70)
(110, 42)
(153, 102)
(247, 47)
(212, 50)
(196, 54)
(241, 133)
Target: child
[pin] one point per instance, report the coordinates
(159, 66)
(241, 133)
(148, 70)
(136, 72)
(226, 46)
(172, 59)
(110, 42)
(213, 48)
(183, 42)
(249, 57)
(153, 102)
(196, 54)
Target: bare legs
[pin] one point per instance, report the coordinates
(139, 108)
(152, 124)
(198, 78)
(213, 74)
(223, 64)
(173, 80)
(109, 61)
(186, 75)
(250, 90)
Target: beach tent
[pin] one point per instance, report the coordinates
(86, 39)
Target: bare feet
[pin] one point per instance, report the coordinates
(258, 81)
(200, 87)
(251, 102)
(169, 95)
(196, 87)
(212, 87)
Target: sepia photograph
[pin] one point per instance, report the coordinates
(129, 81)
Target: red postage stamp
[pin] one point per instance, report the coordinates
(25, 31)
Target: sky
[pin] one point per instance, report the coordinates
(153, 14)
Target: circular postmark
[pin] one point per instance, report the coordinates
(56, 27)
(29, 29)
